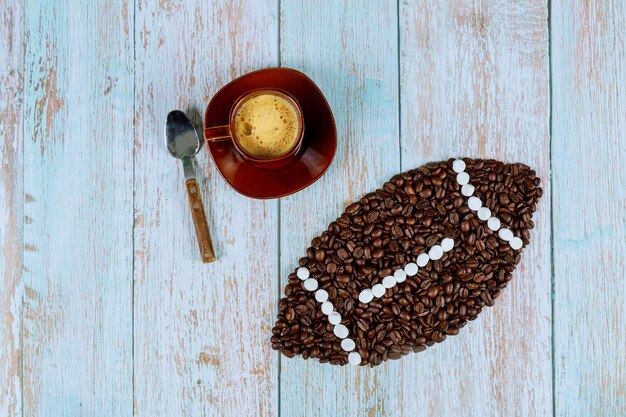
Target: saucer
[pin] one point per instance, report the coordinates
(319, 143)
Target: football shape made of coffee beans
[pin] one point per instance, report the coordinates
(409, 264)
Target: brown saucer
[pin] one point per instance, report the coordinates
(318, 148)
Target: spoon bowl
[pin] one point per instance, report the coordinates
(181, 137)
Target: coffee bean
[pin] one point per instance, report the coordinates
(332, 293)
(452, 331)
(353, 208)
(440, 301)
(426, 192)
(372, 216)
(362, 324)
(301, 310)
(368, 229)
(433, 291)
(384, 272)
(343, 279)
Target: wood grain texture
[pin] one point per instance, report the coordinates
(105, 306)
(350, 50)
(475, 82)
(78, 169)
(588, 163)
(11, 205)
(201, 330)
(203, 235)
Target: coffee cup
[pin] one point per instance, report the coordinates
(266, 127)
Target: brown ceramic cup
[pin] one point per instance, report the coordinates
(228, 132)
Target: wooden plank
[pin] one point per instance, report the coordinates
(11, 204)
(78, 170)
(475, 82)
(350, 50)
(201, 330)
(589, 159)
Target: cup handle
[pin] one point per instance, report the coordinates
(217, 133)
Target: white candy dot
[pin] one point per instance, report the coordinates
(516, 243)
(462, 178)
(341, 331)
(348, 345)
(400, 275)
(484, 213)
(467, 190)
(493, 223)
(302, 273)
(422, 259)
(505, 234)
(389, 281)
(411, 269)
(447, 244)
(366, 296)
(310, 284)
(458, 165)
(474, 203)
(354, 358)
(321, 295)
(327, 307)
(378, 290)
(334, 318)
(435, 253)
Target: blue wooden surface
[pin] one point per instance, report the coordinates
(11, 206)
(589, 166)
(350, 49)
(474, 82)
(201, 331)
(105, 308)
(77, 332)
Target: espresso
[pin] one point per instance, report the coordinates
(267, 126)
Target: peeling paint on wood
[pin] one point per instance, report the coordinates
(475, 81)
(201, 330)
(11, 203)
(350, 50)
(78, 167)
(589, 167)
(105, 307)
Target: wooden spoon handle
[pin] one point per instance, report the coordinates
(199, 221)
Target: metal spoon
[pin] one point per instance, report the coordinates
(183, 143)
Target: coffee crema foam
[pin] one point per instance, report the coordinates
(267, 126)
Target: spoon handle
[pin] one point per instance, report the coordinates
(199, 221)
